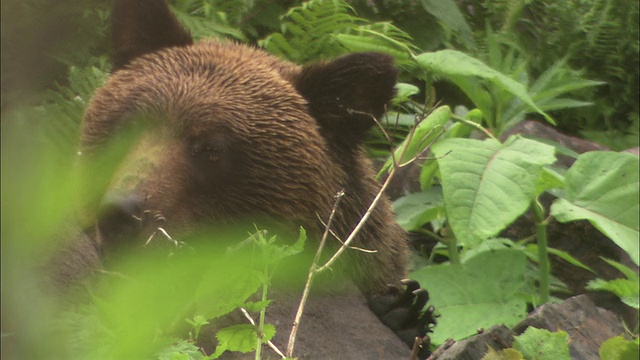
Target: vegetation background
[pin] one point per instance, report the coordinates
(573, 63)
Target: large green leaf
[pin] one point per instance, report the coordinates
(448, 14)
(619, 348)
(242, 338)
(487, 185)
(602, 187)
(480, 293)
(458, 67)
(541, 344)
(424, 134)
(417, 209)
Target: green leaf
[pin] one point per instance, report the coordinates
(541, 344)
(447, 12)
(602, 187)
(219, 297)
(424, 134)
(618, 348)
(487, 185)
(458, 67)
(296, 247)
(480, 293)
(256, 306)
(533, 249)
(182, 350)
(549, 179)
(367, 39)
(242, 337)
(625, 289)
(630, 274)
(417, 209)
(427, 173)
(404, 92)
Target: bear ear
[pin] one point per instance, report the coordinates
(143, 26)
(348, 94)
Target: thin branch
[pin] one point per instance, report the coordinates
(361, 223)
(335, 236)
(427, 148)
(269, 342)
(472, 124)
(312, 273)
(314, 269)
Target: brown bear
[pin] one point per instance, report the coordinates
(229, 133)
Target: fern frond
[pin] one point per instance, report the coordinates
(325, 29)
(201, 17)
(63, 109)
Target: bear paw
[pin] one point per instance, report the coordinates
(404, 313)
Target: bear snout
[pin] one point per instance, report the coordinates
(120, 219)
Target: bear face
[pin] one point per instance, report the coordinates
(227, 132)
(222, 133)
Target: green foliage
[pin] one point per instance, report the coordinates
(325, 29)
(446, 11)
(197, 322)
(602, 187)
(432, 24)
(541, 344)
(626, 289)
(467, 73)
(425, 134)
(182, 350)
(599, 36)
(619, 348)
(202, 19)
(63, 109)
(502, 91)
(415, 210)
(487, 185)
(241, 338)
(527, 67)
(533, 249)
(485, 292)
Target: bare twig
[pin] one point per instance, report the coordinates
(314, 269)
(269, 342)
(472, 124)
(312, 273)
(447, 344)
(335, 236)
(164, 232)
(361, 223)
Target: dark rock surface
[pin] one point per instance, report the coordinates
(588, 327)
(361, 335)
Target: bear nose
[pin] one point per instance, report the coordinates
(119, 217)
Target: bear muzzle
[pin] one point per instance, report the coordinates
(123, 222)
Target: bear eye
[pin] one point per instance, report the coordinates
(206, 152)
(209, 149)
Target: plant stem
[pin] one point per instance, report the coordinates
(452, 246)
(313, 271)
(543, 256)
(260, 329)
(477, 126)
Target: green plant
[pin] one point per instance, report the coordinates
(501, 89)
(597, 36)
(473, 189)
(325, 29)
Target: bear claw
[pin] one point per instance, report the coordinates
(404, 313)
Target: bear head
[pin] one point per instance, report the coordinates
(205, 133)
